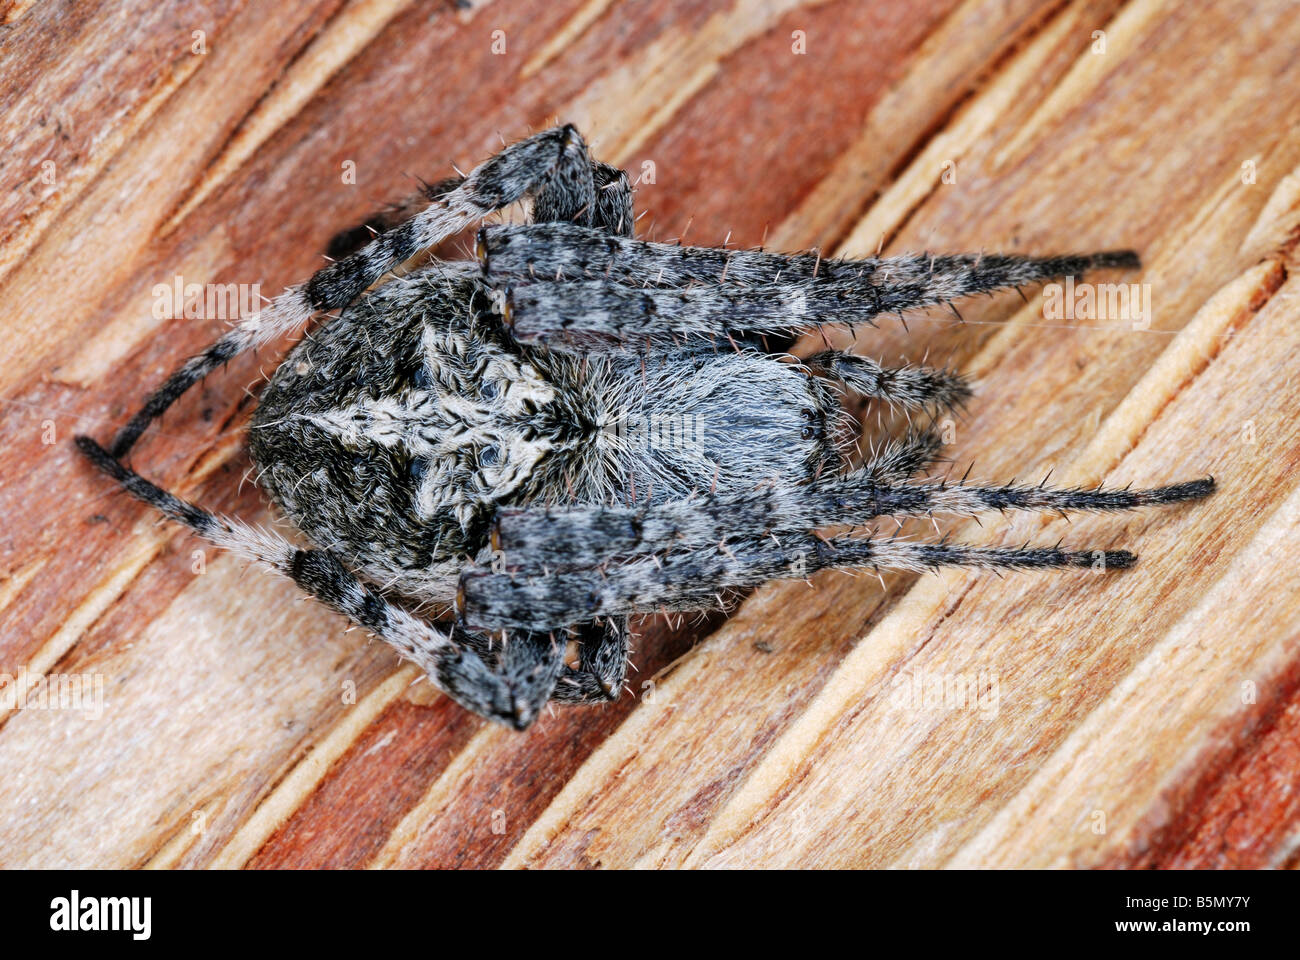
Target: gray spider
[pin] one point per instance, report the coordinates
(580, 426)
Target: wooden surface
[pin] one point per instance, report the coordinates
(1147, 718)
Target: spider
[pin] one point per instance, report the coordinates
(498, 461)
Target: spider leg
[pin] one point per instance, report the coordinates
(569, 251)
(605, 204)
(602, 200)
(602, 664)
(899, 458)
(692, 579)
(546, 160)
(513, 694)
(614, 212)
(347, 242)
(563, 283)
(909, 387)
(546, 537)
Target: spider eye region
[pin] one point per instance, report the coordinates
(814, 427)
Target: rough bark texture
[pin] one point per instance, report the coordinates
(1146, 718)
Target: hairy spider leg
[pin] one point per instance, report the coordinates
(564, 281)
(691, 579)
(910, 387)
(611, 210)
(532, 538)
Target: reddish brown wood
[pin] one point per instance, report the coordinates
(225, 166)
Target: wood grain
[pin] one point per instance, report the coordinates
(1147, 718)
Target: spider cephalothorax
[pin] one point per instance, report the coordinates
(498, 461)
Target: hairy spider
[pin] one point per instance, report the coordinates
(580, 426)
